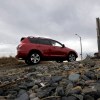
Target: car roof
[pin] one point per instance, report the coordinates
(41, 38)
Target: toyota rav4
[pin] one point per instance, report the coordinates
(35, 49)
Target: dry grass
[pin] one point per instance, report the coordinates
(9, 61)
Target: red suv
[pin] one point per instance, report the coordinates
(35, 49)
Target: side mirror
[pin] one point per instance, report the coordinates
(63, 45)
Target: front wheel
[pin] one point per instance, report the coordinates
(71, 57)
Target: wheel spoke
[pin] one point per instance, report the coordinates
(35, 58)
(72, 57)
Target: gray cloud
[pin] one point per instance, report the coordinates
(57, 19)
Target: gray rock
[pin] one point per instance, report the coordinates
(1, 92)
(2, 98)
(30, 84)
(75, 90)
(71, 98)
(35, 98)
(23, 96)
(84, 77)
(23, 86)
(68, 88)
(64, 98)
(66, 67)
(54, 84)
(64, 82)
(88, 97)
(80, 97)
(45, 92)
(32, 96)
(81, 83)
(56, 78)
(89, 90)
(91, 75)
(22, 91)
(97, 86)
(60, 91)
(74, 77)
(38, 81)
(35, 87)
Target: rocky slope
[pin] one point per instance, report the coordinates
(50, 80)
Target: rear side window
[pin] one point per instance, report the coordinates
(44, 41)
(33, 40)
(22, 39)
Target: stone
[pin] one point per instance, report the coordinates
(98, 75)
(91, 75)
(97, 86)
(64, 82)
(1, 92)
(35, 98)
(64, 98)
(84, 77)
(88, 97)
(80, 83)
(23, 96)
(2, 98)
(23, 86)
(74, 77)
(54, 84)
(68, 88)
(66, 67)
(80, 97)
(76, 90)
(32, 95)
(81, 66)
(60, 91)
(88, 90)
(89, 82)
(56, 78)
(45, 92)
(35, 87)
(22, 91)
(71, 98)
(30, 84)
(38, 81)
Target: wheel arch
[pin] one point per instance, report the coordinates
(34, 50)
(72, 52)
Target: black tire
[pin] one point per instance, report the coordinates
(34, 58)
(27, 61)
(71, 57)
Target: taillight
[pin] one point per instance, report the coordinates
(19, 46)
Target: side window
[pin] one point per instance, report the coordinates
(44, 41)
(33, 40)
(55, 43)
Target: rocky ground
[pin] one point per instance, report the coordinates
(50, 80)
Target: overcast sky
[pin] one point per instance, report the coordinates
(57, 19)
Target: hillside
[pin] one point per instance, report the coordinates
(49, 80)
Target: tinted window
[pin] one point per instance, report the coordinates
(33, 40)
(44, 41)
(55, 43)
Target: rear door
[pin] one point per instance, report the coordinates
(45, 47)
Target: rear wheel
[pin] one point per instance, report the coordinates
(71, 57)
(27, 61)
(34, 58)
